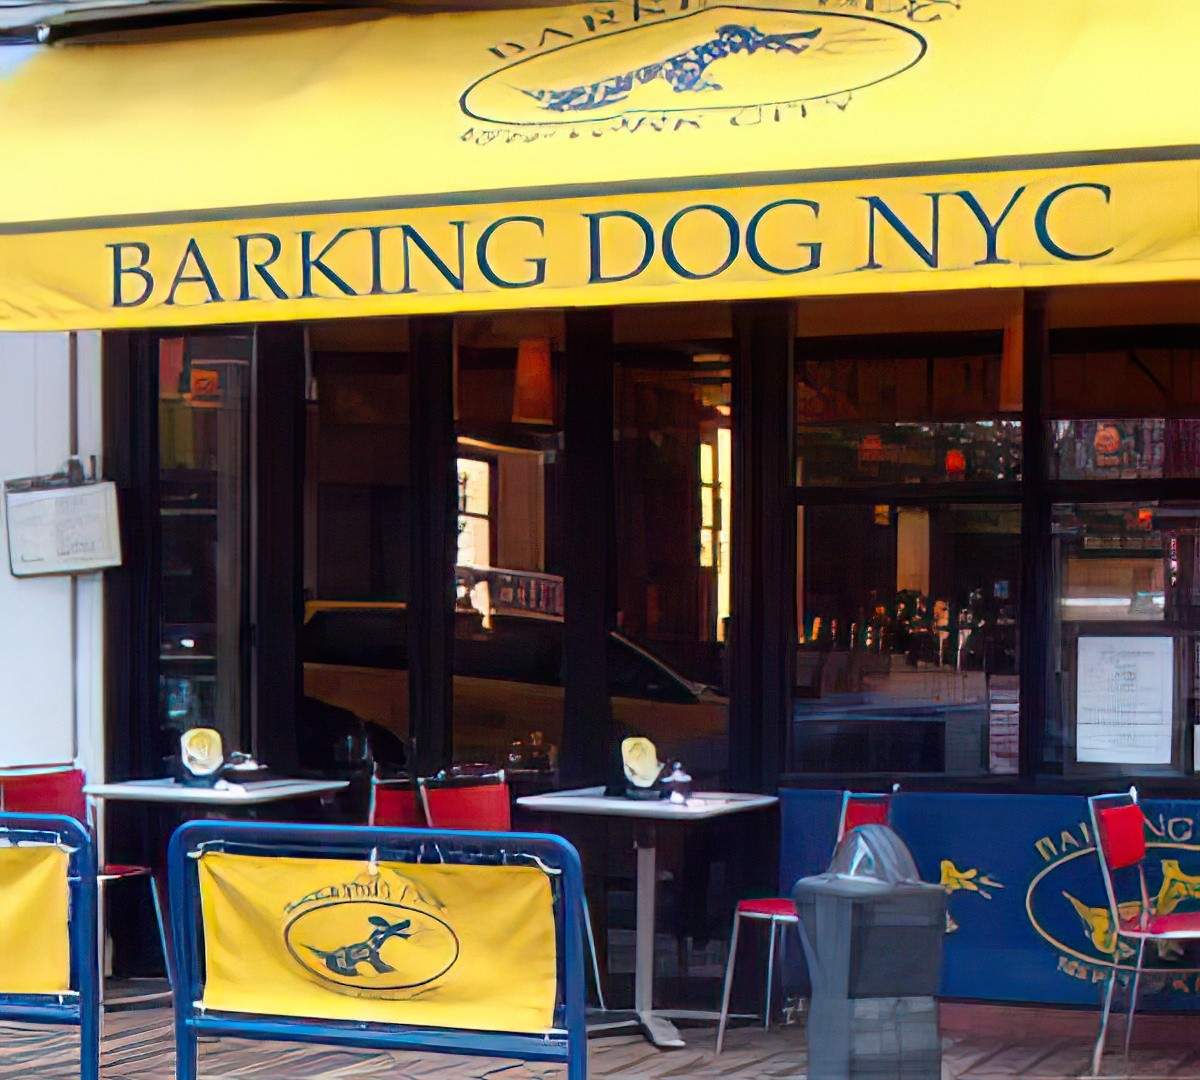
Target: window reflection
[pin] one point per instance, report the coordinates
(877, 412)
(674, 460)
(908, 650)
(204, 425)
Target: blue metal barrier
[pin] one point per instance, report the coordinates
(566, 1044)
(81, 1006)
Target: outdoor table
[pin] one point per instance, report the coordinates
(702, 806)
(224, 793)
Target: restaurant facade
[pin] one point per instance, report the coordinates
(757, 377)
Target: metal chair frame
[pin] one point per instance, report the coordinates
(566, 1043)
(81, 1007)
(849, 797)
(778, 931)
(779, 923)
(1141, 934)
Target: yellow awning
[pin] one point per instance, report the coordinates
(623, 152)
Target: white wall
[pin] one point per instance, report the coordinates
(51, 633)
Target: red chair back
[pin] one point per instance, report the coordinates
(396, 804)
(1119, 829)
(863, 810)
(1122, 835)
(58, 791)
(484, 807)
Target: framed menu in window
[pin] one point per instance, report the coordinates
(1125, 700)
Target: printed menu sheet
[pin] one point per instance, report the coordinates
(63, 530)
(1124, 705)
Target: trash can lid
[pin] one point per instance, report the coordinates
(874, 852)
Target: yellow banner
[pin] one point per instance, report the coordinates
(453, 946)
(1114, 223)
(35, 950)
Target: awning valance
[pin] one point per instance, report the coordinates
(623, 152)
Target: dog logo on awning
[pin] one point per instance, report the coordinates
(723, 58)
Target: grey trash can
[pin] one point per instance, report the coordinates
(872, 933)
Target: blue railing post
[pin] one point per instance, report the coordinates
(83, 1011)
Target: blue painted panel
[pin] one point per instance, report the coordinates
(1028, 917)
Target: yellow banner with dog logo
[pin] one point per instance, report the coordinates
(428, 945)
(35, 951)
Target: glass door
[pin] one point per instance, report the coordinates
(204, 522)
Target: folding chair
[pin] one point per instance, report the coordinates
(483, 803)
(780, 912)
(864, 808)
(396, 803)
(60, 791)
(1119, 830)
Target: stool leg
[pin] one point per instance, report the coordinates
(591, 941)
(1133, 993)
(162, 931)
(101, 942)
(773, 930)
(733, 942)
(1098, 1052)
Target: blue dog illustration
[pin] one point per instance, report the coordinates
(344, 960)
(683, 72)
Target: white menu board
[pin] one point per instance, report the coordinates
(1124, 701)
(67, 530)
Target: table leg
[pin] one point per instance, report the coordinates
(658, 1029)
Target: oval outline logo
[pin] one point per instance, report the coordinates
(497, 73)
(344, 987)
(1098, 960)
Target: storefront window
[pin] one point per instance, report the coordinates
(907, 618)
(357, 566)
(204, 428)
(674, 459)
(508, 634)
(1128, 593)
(903, 411)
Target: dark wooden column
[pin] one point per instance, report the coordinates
(589, 541)
(131, 591)
(1037, 572)
(762, 626)
(278, 566)
(433, 536)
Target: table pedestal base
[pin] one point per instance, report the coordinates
(657, 1026)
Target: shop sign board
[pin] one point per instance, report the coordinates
(642, 151)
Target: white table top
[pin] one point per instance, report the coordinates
(224, 793)
(700, 807)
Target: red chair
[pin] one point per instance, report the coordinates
(864, 808)
(1120, 831)
(396, 803)
(482, 802)
(60, 791)
(780, 912)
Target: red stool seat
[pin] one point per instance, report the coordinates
(119, 870)
(1177, 922)
(774, 908)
